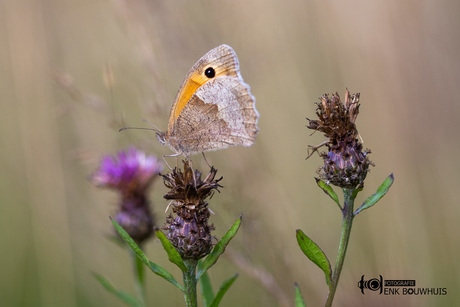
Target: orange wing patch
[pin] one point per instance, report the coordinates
(191, 85)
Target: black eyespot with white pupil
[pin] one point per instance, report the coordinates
(210, 72)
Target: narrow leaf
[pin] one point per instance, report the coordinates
(329, 191)
(206, 289)
(125, 297)
(173, 254)
(222, 290)
(199, 266)
(135, 248)
(355, 192)
(140, 254)
(299, 302)
(374, 198)
(140, 270)
(314, 253)
(155, 268)
(219, 248)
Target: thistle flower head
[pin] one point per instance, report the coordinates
(131, 173)
(346, 164)
(187, 228)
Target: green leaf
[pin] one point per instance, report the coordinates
(329, 191)
(134, 247)
(125, 297)
(173, 254)
(219, 248)
(314, 253)
(199, 266)
(355, 192)
(299, 302)
(140, 271)
(206, 289)
(155, 268)
(140, 254)
(222, 290)
(374, 198)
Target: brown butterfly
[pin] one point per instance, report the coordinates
(214, 108)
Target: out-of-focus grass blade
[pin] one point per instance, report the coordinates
(125, 297)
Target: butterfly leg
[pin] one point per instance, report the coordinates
(205, 159)
(193, 171)
(170, 156)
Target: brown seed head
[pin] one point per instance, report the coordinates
(187, 228)
(346, 164)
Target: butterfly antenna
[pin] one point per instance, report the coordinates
(156, 128)
(138, 128)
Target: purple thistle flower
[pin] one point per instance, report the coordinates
(130, 172)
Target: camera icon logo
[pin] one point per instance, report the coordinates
(373, 284)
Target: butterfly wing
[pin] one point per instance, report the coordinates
(220, 114)
(222, 60)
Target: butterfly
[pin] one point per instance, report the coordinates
(214, 108)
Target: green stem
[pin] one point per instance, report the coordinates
(139, 276)
(347, 222)
(190, 282)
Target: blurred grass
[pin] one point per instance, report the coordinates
(58, 117)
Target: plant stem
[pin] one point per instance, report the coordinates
(190, 282)
(139, 277)
(347, 222)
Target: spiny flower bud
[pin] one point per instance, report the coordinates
(346, 164)
(188, 229)
(131, 173)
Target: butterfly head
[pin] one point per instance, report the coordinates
(161, 137)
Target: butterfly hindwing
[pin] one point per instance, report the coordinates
(221, 113)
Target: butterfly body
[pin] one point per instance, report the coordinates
(214, 108)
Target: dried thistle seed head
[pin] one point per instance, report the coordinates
(337, 119)
(346, 164)
(187, 228)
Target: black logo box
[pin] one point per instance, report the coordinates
(399, 283)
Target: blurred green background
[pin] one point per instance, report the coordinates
(74, 72)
